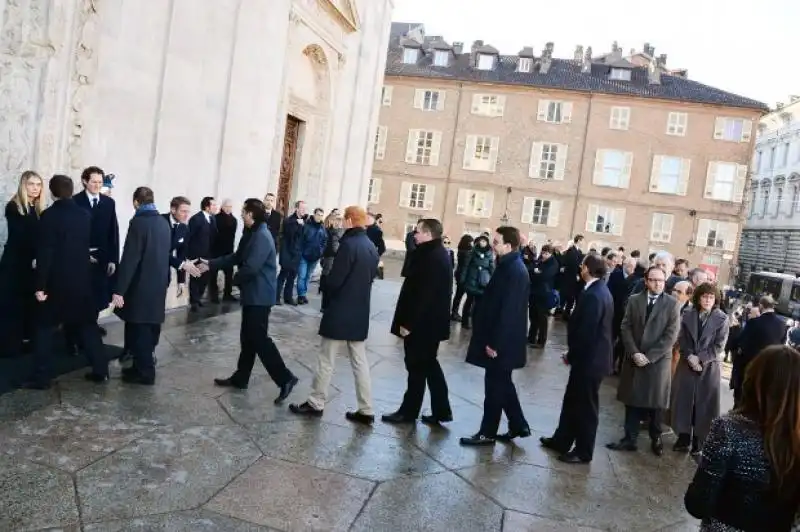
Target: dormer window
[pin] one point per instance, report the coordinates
(621, 74)
(485, 62)
(525, 64)
(410, 56)
(441, 58)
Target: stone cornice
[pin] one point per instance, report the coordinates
(348, 20)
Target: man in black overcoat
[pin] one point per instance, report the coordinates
(499, 340)
(570, 266)
(202, 232)
(142, 283)
(590, 357)
(422, 320)
(63, 284)
(274, 219)
(223, 245)
(291, 243)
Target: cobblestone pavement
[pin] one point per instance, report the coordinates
(186, 456)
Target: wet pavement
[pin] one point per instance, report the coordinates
(187, 456)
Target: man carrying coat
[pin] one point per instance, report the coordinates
(499, 340)
(648, 331)
(142, 282)
(422, 320)
(291, 244)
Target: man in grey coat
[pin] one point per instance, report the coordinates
(649, 330)
(141, 289)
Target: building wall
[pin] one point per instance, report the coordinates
(587, 132)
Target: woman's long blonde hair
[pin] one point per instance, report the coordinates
(333, 221)
(21, 197)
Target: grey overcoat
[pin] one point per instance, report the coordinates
(648, 386)
(698, 391)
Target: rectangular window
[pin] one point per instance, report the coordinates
(474, 203)
(717, 234)
(554, 112)
(380, 143)
(441, 58)
(612, 168)
(423, 147)
(374, 191)
(488, 105)
(485, 62)
(386, 95)
(620, 118)
(670, 175)
(606, 220)
(661, 229)
(620, 74)
(677, 124)
(410, 56)
(548, 161)
(480, 153)
(417, 196)
(525, 64)
(540, 211)
(429, 100)
(726, 181)
(733, 129)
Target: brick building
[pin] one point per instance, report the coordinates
(614, 146)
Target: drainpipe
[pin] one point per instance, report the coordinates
(452, 150)
(580, 170)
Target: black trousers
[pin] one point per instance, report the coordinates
(423, 368)
(141, 339)
(469, 307)
(500, 395)
(286, 278)
(634, 417)
(537, 331)
(87, 336)
(255, 340)
(197, 287)
(458, 297)
(213, 286)
(577, 424)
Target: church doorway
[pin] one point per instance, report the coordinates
(291, 151)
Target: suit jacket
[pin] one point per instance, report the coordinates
(589, 341)
(179, 246)
(226, 234)
(105, 228)
(141, 278)
(257, 267)
(767, 329)
(291, 243)
(202, 233)
(63, 270)
(423, 306)
(648, 386)
(274, 220)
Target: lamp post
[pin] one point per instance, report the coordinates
(690, 246)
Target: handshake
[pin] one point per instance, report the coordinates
(195, 268)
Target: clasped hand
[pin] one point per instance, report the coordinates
(694, 363)
(640, 360)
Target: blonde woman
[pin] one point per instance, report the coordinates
(17, 264)
(333, 224)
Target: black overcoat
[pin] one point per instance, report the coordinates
(104, 241)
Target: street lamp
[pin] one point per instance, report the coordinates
(690, 246)
(504, 218)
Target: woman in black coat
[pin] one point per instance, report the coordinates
(543, 272)
(17, 302)
(464, 249)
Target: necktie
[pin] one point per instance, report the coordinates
(650, 304)
(94, 203)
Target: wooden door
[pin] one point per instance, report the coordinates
(290, 141)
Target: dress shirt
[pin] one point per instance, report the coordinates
(589, 283)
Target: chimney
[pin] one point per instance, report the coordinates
(458, 48)
(586, 68)
(649, 50)
(547, 58)
(474, 52)
(475, 46)
(656, 69)
(779, 106)
(662, 61)
(578, 58)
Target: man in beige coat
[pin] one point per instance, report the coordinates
(649, 330)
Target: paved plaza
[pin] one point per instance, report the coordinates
(187, 456)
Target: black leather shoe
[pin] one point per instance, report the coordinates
(93, 377)
(229, 383)
(477, 440)
(291, 302)
(132, 378)
(550, 443)
(573, 458)
(215, 300)
(511, 434)
(305, 409)
(397, 418)
(657, 446)
(358, 417)
(286, 389)
(622, 445)
(302, 300)
(230, 299)
(434, 420)
(683, 444)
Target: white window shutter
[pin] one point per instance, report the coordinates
(527, 210)
(376, 190)
(541, 116)
(430, 195)
(671, 219)
(554, 214)
(469, 151)
(683, 183)
(380, 147)
(440, 100)
(436, 147)
(719, 128)
(500, 109)
(740, 183)
(655, 227)
(626, 170)
(730, 236)
(477, 101)
(387, 95)
(411, 147)
(598, 167)
(591, 218)
(494, 151)
(561, 161)
(703, 226)
(655, 173)
(461, 203)
(618, 221)
(405, 194)
(487, 205)
(747, 130)
(536, 160)
(566, 112)
(419, 98)
(711, 178)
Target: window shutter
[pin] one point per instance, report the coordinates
(461, 204)
(500, 109)
(527, 210)
(376, 190)
(469, 150)
(405, 194)
(440, 100)
(740, 183)
(387, 95)
(626, 170)
(561, 161)
(411, 147)
(477, 99)
(554, 214)
(747, 130)
(494, 150)
(719, 128)
(436, 147)
(730, 236)
(419, 98)
(566, 112)
(487, 205)
(711, 178)
(703, 226)
(618, 222)
(598, 167)
(430, 195)
(683, 183)
(655, 227)
(536, 160)
(668, 231)
(380, 147)
(655, 173)
(591, 218)
(541, 116)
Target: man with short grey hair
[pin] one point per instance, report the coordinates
(698, 276)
